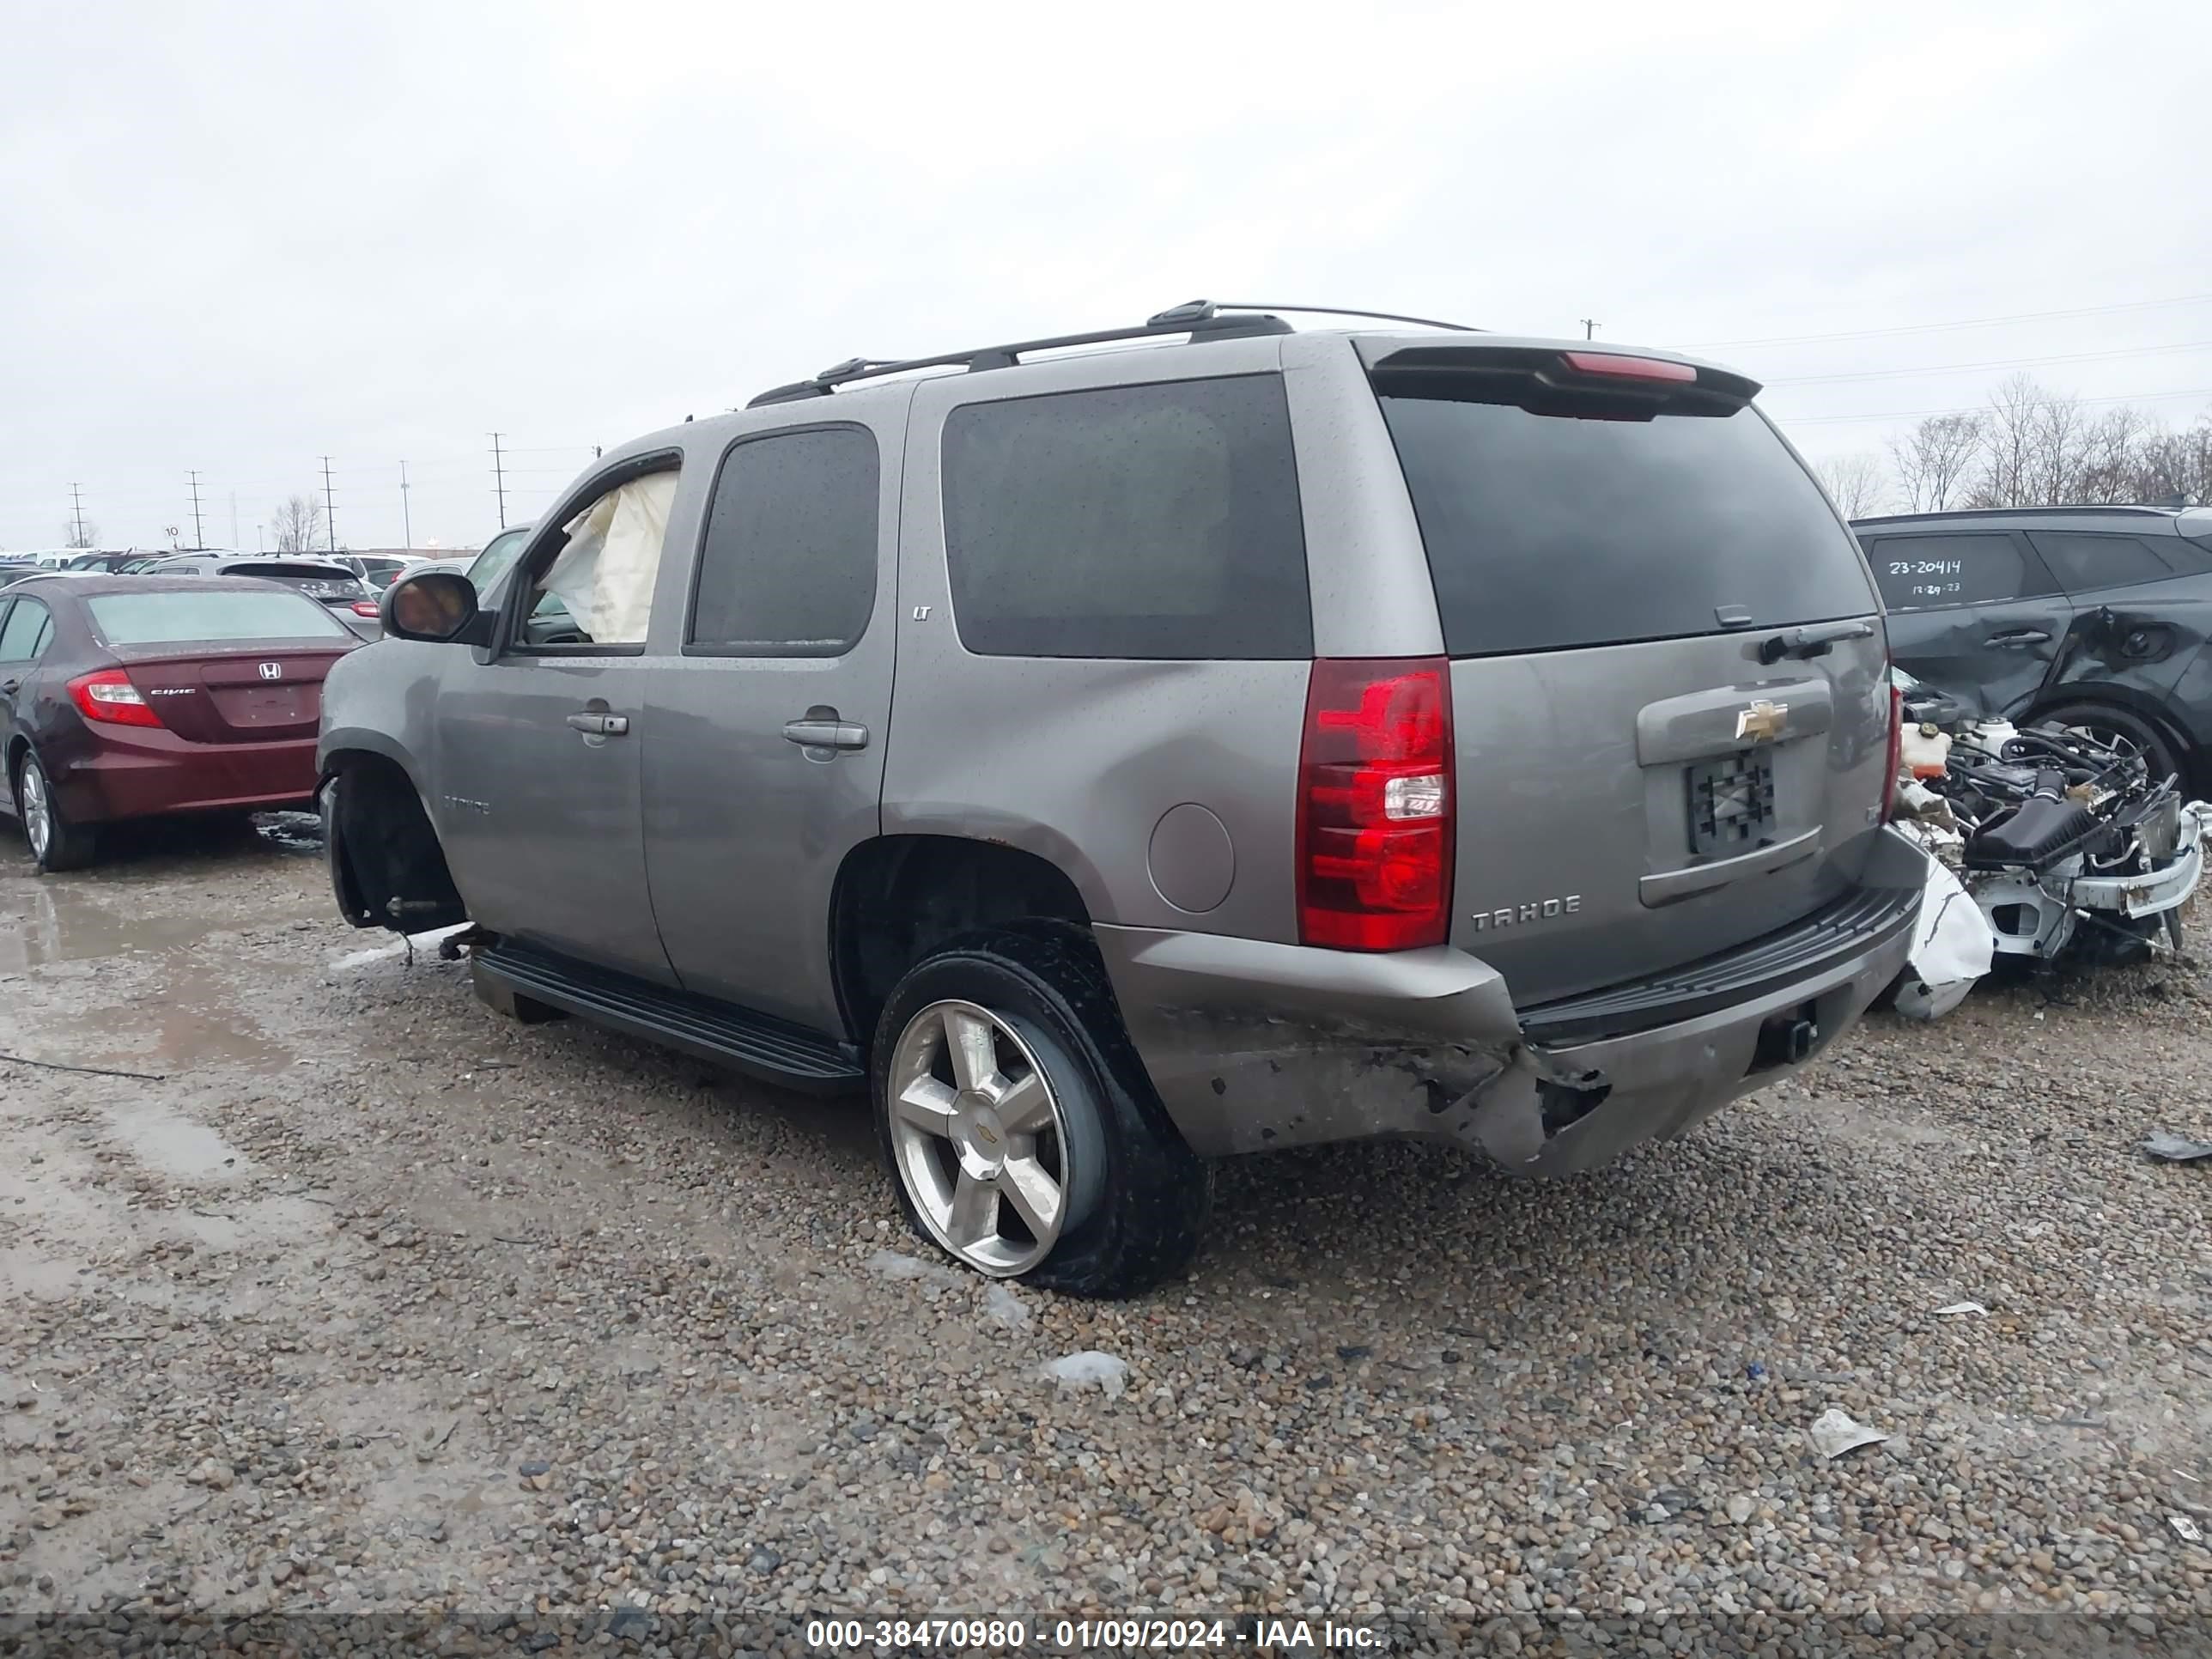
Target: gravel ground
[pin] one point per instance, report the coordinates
(377, 1303)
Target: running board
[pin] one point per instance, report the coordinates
(758, 1045)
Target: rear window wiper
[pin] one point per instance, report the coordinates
(1813, 640)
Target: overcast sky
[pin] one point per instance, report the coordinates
(239, 237)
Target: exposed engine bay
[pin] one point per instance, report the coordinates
(2061, 838)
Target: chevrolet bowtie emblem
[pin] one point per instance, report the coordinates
(1763, 721)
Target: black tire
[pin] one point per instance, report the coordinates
(2161, 752)
(1150, 1207)
(67, 846)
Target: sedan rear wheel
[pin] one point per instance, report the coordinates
(56, 843)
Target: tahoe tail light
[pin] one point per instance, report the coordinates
(1896, 753)
(1375, 830)
(1629, 368)
(109, 697)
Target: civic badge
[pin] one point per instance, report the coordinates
(275, 670)
(1763, 721)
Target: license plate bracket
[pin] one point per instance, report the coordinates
(1731, 803)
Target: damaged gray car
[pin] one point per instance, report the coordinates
(1233, 737)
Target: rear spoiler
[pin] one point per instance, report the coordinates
(1562, 380)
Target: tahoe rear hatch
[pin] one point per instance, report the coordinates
(1668, 682)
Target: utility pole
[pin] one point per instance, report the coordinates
(76, 511)
(330, 506)
(199, 533)
(499, 477)
(1589, 328)
(406, 513)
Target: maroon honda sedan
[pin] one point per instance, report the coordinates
(132, 696)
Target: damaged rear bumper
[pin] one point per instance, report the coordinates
(1254, 1045)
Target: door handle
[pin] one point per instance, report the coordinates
(600, 726)
(2019, 636)
(826, 733)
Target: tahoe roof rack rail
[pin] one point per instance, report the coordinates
(1201, 320)
(2017, 513)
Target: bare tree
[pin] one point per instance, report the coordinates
(2009, 446)
(1855, 483)
(1932, 460)
(298, 522)
(2170, 465)
(2116, 446)
(2059, 447)
(76, 534)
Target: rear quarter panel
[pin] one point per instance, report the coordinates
(1077, 760)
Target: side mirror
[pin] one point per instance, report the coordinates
(438, 606)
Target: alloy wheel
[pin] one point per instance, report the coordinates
(38, 810)
(979, 1138)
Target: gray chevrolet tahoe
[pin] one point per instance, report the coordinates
(1215, 738)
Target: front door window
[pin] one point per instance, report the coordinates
(599, 589)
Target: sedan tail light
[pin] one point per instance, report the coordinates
(109, 697)
(363, 608)
(1375, 805)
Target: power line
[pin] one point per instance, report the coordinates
(1974, 409)
(199, 533)
(1970, 322)
(2002, 362)
(330, 506)
(499, 477)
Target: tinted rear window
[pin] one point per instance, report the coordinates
(1545, 531)
(210, 618)
(317, 577)
(1144, 521)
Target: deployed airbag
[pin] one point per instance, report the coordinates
(604, 574)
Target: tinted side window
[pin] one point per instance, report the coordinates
(2082, 560)
(1145, 521)
(23, 633)
(1920, 573)
(788, 565)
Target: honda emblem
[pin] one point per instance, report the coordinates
(273, 670)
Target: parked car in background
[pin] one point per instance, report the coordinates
(1297, 738)
(375, 570)
(324, 579)
(2092, 617)
(498, 556)
(12, 574)
(133, 696)
(110, 561)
